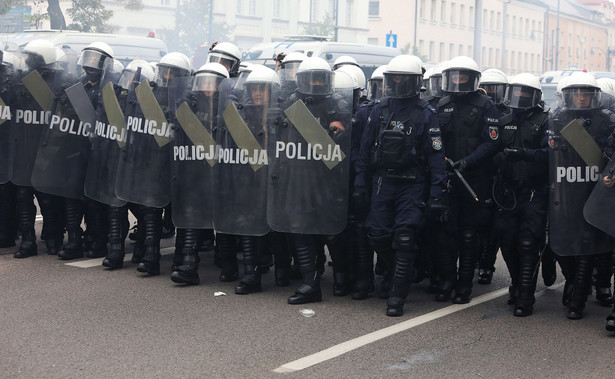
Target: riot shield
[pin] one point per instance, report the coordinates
(107, 139)
(193, 156)
(242, 165)
(574, 168)
(34, 99)
(64, 146)
(600, 206)
(309, 148)
(7, 95)
(144, 166)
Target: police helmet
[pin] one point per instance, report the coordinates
(314, 77)
(208, 77)
(356, 72)
(39, 52)
(435, 80)
(523, 92)
(129, 74)
(93, 56)
(461, 75)
(403, 77)
(228, 55)
(375, 83)
(172, 65)
(494, 82)
(290, 64)
(581, 91)
(262, 85)
(343, 61)
(606, 85)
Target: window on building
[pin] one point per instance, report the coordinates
(520, 26)
(498, 23)
(372, 41)
(432, 11)
(453, 13)
(532, 63)
(441, 51)
(527, 25)
(460, 50)
(462, 14)
(422, 8)
(252, 7)
(512, 61)
(533, 25)
(469, 54)
(485, 20)
(520, 60)
(277, 8)
(421, 46)
(497, 57)
(349, 8)
(451, 51)
(374, 8)
(431, 52)
(238, 10)
(314, 11)
(491, 20)
(443, 11)
(514, 26)
(471, 16)
(491, 63)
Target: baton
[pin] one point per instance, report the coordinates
(463, 180)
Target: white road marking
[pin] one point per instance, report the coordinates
(345, 347)
(88, 263)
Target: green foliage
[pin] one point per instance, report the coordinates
(324, 28)
(192, 28)
(132, 5)
(89, 16)
(36, 18)
(6, 5)
(415, 52)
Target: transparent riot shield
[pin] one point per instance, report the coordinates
(107, 139)
(193, 154)
(574, 168)
(242, 167)
(64, 146)
(144, 172)
(309, 148)
(600, 206)
(7, 95)
(34, 99)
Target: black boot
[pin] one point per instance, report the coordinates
(582, 282)
(73, 213)
(400, 283)
(281, 258)
(364, 266)
(118, 228)
(309, 291)
(8, 215)
(26, 212)
(604, 271)
(152, 227)
(251, 280)
(51, 208)
(338, 251)
(446, 265)
(98, 225)
(226, 244)
(529, 258)
(187, 270)
(549, 269)
(488, 256)
(467, 263)
(610, 321)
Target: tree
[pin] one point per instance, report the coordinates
(192, 26)
(7, 5)
(415, 52)
(324, 28)
(89, 16)
(56, 17)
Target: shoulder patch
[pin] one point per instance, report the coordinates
(436, 143)
(494, 132)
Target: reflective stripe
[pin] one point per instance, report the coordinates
(114, 113)
(151, 109)
(81, 103)
(194, 129)
(39, 90)
(583, 143)
(240, 132)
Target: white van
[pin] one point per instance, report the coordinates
(369, 57)
(125, 47)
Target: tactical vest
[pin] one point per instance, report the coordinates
(461, 123)
(524, 132)
(398, 153)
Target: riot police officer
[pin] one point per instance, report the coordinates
(521, 188)
(570, 236)
(401, 141)
(470, 134)
(228, 55)
(494, 82)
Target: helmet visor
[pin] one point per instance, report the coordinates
(92, 58)
(374, 89)
(495, 91)
(435, 85)
(207, 83)
(127, 77)
(258, 93)
(227, 61)
(581, 98)
(522, 97)
(315, 82)
(288, 71)
(460, 81)
(402, 85)
(165, 73)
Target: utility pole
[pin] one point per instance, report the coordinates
(416, 21)
(211, 21)
(478, 29)
(504, 32)
(557, 38)
(337, 16)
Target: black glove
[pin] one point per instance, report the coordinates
(360, 200)
(516, 153)
(279, 57)
(610, 146)
(213, 44)
(460, 165)
(437, 209)
(498, 159)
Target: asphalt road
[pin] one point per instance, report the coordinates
(62, 321)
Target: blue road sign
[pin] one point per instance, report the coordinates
(391, 40)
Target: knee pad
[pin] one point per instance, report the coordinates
(404, 239)
(526, 242)
(469, 236)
